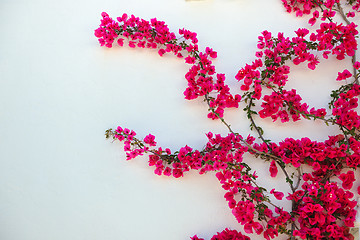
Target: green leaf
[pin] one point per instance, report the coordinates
(289, 180)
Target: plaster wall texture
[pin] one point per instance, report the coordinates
(60, 178)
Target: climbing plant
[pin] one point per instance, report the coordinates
(322, 205)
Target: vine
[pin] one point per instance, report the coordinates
(321, 207)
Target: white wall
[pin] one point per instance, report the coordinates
(59, 92)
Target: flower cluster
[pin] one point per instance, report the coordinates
(328, 8)
(320, 220)
(201, 77)
(270, 69)
(225, 156)
(344, 108)
(281, 105)
(337, 38)
(321, 197)
(226, 234)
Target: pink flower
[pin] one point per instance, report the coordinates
(343, 75)
(132, 44)
(278, 195)
(259, 54)
(167, 171)
(211, 52)
(312, 21)
(357, 65)
(195, 237)
(248, 227)
(150, 139)
(123, 18)
(120, 41)
(190, 60)
(273, 169)
(104, 14)
(228, 234)
(347, 179)
(302, 32)
(177, 173)
(161, 52)
(158, 171)
(350, 14)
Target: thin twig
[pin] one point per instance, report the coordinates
(254, 124)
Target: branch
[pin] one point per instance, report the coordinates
(254, 124)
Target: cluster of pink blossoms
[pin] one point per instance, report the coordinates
(274, 107)
(225, 156)
(323, 205)
(320, 205)
(226, 234)
(344, 108)
(273, 72)
(305, 7)
(201, 77)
